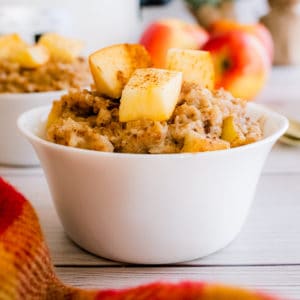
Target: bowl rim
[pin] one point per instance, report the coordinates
(281, 120)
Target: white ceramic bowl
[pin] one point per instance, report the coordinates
(14, 149)
(152, 209)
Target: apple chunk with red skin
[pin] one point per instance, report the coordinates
(241, 63)
(162, 35)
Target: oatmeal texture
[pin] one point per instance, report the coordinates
(52, 76)
(86, 120)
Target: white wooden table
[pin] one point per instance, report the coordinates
(265, 256)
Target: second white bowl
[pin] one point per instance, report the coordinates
(14, 149)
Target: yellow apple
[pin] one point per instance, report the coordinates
(61, 48)
(31, 56)
(150, 94)
(9, 44)
(194, 142)
(196, 65)
(112, 67)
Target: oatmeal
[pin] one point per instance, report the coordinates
(51, 64)
(52, 76)
(212, 120)
(151, 110)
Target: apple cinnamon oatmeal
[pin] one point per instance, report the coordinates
(207, 120)
(52, 76)
(51, 64)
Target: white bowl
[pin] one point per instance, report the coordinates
(152, 209)
(14, 149)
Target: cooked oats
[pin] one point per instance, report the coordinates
(52, 76)
(86, 120)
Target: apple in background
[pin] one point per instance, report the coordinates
(259, 30)
(171, 33)
(241, 63)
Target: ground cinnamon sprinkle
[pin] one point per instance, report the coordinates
(52, 76)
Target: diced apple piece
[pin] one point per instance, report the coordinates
(61, 48)
(196, 66)
(112, 67)
(54, 114)
(150, 94)
(231, 133)
(9, 44)
(32, 56)
(194, 142)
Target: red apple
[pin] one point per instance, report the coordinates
(257, 29)
(241, 63)
(171, 33)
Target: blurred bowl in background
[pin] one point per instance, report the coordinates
(14, 149)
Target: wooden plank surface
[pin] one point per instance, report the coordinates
(283, 159)
(278, 280)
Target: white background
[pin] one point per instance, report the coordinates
(99, 22)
